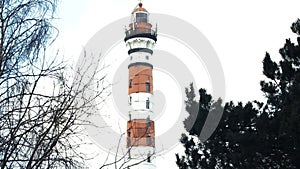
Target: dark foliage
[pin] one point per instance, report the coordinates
(255, 134)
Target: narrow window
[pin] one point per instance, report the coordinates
(129, 156)
(130, 98)
(129, 141)
(147, 103)
(147, 57)
(148, 139)
(149, 157)
(128, 133)
(130, 83)
(147, 86)
(148, 122)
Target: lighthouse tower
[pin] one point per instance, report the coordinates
(140, 40)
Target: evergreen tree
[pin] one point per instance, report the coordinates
(255, 134)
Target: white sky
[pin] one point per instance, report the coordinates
(240, 32)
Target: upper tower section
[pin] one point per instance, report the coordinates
(140, 27)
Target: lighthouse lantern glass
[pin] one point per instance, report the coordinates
(141, 17)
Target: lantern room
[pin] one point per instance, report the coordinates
(140, 25)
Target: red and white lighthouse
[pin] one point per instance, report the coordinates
(140, 40)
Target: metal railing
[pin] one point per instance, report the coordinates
(140, 30)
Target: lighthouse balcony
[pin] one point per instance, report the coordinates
(142, 32)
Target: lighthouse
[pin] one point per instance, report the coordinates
(140, 39)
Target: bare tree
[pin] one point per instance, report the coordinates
(126, 160)
(40, 107)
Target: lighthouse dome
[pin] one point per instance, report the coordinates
(139, 9)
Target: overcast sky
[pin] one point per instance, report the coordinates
(240, 32)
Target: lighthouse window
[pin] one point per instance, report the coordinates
(130, 83)
(128, 133)
(149, 158)
(129, 156)
(141, 17)
(148, 140)
(128, 141)
(147, 87)
(148, 121)
(147, 103)
(147, 57)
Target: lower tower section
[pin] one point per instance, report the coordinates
(140, 128)
(141, 143)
